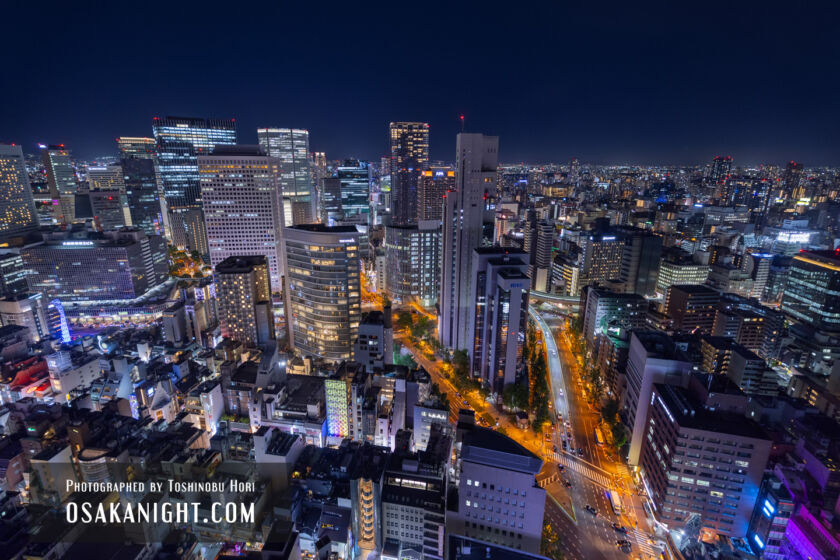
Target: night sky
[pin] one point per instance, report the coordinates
(623, 82)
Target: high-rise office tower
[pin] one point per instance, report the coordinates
(412, 253)
(723, 487)
(187, 229)
(240, 195)
(653, 358)
(319, 173)
(720, 170)
(500, 315)
(600, 258)
(136, 147)
(17, 207)
(409, 156)
(692, 308)
(331, 200)
(323, 289)
(678, 267)
(792, 180)
(538, 242)
(243, 296)
(141, 191)
(179, 142)
(108, 208)
(62, 181)
(109, 204)
(291, 148)
(433, 184)
(812, 288)
(354, 178)
(13, 275)
(105, 177)
(477, 157)
(605, 311)
(640, 260)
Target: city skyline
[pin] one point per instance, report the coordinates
(675, 85)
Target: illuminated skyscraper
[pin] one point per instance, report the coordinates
(17, 207)
(136, 147)
(432, 185)
(243, 295)
(179, 143)
(62, 181)
(239, 191)
(792, 180)
(105, 177)
(323, 290)
(812, 295)
(477, 157)
(354, 177)
(141, 191)
(291, 148)
(409, 156)
(721, 168)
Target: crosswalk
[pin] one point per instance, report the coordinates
(587, 471)
(640, 543)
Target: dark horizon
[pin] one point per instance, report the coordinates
(612, 85)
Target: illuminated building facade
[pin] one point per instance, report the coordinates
(179, 142)
(499, 321)
(409, 157)
(239, 192)
(141, 191)
(323, 290)
(291, 148)
(337, 394)
(62, 181)
(812, 295)
(13, 275)
(432, 185)
(136, 147)
(477, 157)
(354, 180)
(17, 207)
(243, 298)
(118, 265)
(412, 254)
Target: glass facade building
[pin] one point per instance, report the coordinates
(179, 142)
(323, 290)
(812, 295)
(141, 191)
(17, 207)
(354, 177)
(412, 253)
(291, 148)
(62, 181)
(120, 265)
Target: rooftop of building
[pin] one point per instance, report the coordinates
(827, 257)
(248, 150)
(322, 228)
(689, 413)
(240, 263)
(695, 289)
(488, 447)
(494, 250)
(465, 548)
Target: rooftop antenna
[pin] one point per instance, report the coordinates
(462, 123)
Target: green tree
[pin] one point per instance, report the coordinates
(515, 395)
(421, 328)
(550, 544)
(404, 320)
(610, 410)
(461, 363)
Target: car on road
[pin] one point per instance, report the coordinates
(465, 403)
(554, 352)
(560, 392)
(591, 510)
(565, 445)
(580, 451)
(568, 484)
(619, 528)
(623, 543)
(561, 468)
